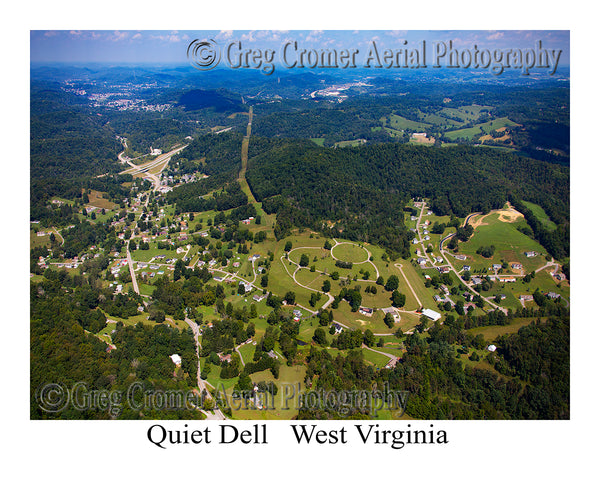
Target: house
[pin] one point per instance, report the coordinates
(496, 266)
(491, 348)
(431, 314)
(258, 298)
(427, 277)
(444, 289)
(477, 281)
(236, 264)
(530, 254)
(415, 241)
(218, 279)
(516, 266)
(176, 359)
(393, 312)
(467, 268)
(437, 298)
(439, 259)
(460, 257)
(365, 311)
(338, 328)
(553, 295)
(525, 297)
(507, 279)
(225, 358)
(421, 261)
(443, 269)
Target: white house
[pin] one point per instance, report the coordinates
(176, 359)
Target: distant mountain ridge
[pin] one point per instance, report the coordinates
(221, 100)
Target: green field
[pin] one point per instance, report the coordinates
(350, 252)
(509, 242)
(400, 123)
(480, 128)
(541, 215)
(491, 332)
(350, 143)
(318, 141)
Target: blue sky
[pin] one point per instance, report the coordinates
(158, 46)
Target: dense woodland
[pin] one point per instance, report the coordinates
(364, 189)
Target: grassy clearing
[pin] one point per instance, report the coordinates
(480, 128)
(510, 244)
(350, 252)
(400, 123)
(318, 141)
(541, 215)
(97, 200)
(491, 332)
(350, 143)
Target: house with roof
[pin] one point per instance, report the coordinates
(365, 311)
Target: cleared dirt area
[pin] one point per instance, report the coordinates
(508, 215)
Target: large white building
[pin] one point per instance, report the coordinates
(431, 314)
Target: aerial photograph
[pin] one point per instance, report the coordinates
(299, 225)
